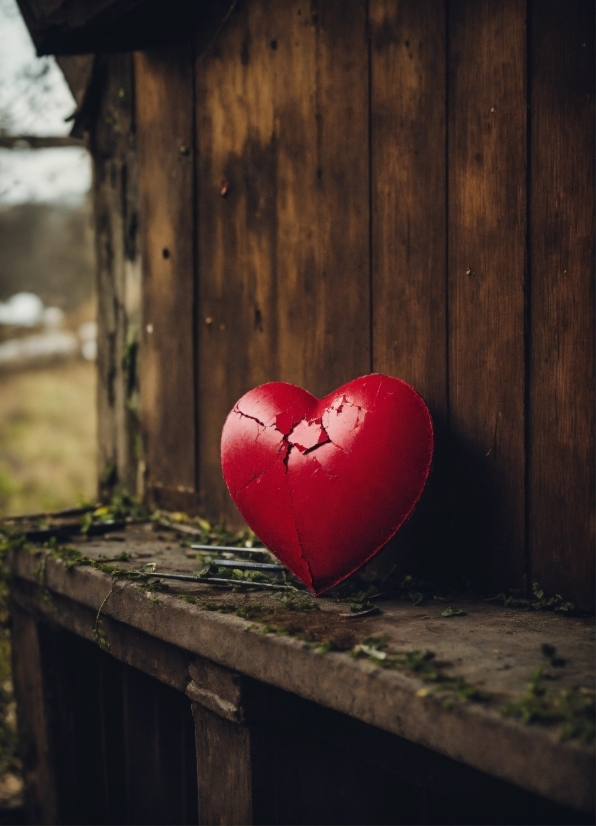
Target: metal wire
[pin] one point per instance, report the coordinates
(211, 580)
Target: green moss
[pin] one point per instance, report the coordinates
(275, 629)
(187, 598)
(253, 611)
(207, 533)
(155, 586)
(449, 612)
(571, 710)
(325, 646)
(463, 690)
(300, 603)
(233, 573)
(221, 607)
(424, 665)
(538, 602)
(121, 506)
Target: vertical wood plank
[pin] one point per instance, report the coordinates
(164, 110)
(223, 769)
(562, 298)
(160, 784)
(41, 799)
(71, 673)
(115, 190)
(486, 262)
(282, 210)
(323, 251)
(409, 241)
(112, 738)
(408, 195)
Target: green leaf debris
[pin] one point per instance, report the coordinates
(571, 710)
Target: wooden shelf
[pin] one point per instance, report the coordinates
(492, 648)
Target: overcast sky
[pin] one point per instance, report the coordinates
(35, 100)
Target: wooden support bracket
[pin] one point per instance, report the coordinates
(223, 745)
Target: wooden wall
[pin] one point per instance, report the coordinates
(333, 188)
(107, 112)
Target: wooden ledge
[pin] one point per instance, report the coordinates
(492, 648)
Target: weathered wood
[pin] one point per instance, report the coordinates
(408, 195)
(41, 800)
(486, 260)
(78, 72)
(69, 744)
(302, 772)
(118, 274)
(282, 211)
(111, 724)
(216, 689)
(223, 769)
(561, 426)
(493, 647)
(71, 669)
(160, 769)
(164, 662)
(163, 94)
(357, 774)
(408, 199)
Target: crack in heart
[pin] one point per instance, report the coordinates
(300, 545)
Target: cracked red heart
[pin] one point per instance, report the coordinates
(326, 483)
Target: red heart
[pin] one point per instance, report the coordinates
(326, 483)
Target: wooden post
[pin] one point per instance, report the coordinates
(41, 801)
(223, 745)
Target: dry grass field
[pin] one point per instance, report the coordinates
(47, 462)
(47, 438)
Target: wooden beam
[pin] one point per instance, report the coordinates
(528, 756)
(40, 142)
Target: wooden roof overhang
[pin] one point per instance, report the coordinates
(69, 27)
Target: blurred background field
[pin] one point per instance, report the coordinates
(47, 330)
(47, 438)
(47, 303)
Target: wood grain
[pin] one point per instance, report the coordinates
(408, 195)
(71, 673)
(409, 242)
(41, 798)
(531, 757)
(77, 71)
(282, 210)
(159, 758)
(115, 191)
(223, 769)
(486, 260)
(562, 299)
(163, 83)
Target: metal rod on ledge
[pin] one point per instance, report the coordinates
(211, 580)
(229, 549)
(248, 566)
